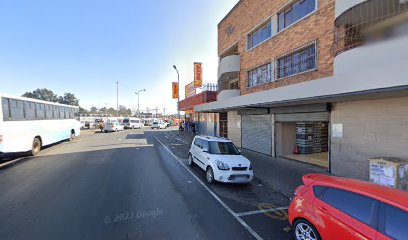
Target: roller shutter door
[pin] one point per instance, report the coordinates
(257, 133)
(303, 117)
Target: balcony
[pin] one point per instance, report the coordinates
(228, 93)
(228, 68)
(367, 22)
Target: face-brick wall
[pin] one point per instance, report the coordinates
(248, 14)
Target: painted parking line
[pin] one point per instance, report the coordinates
(261, 211)
(238, 218)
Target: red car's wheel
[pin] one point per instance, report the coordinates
(303, 230)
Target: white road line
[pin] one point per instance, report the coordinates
(242, 222)
(261, 211)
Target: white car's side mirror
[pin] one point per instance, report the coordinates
(205, 150)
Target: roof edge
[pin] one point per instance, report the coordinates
(229, 13)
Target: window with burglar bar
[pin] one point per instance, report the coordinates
(259, 75)
(297, 62)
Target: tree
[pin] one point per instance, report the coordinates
(94, 109)
(42, 94)
(123, 110)
(82, 111)
(112, 111)
(69, 99)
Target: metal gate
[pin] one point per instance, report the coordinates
(303, 117)
(257, 133)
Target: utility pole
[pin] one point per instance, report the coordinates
(138, 94)
(178, 93)
(117, 99)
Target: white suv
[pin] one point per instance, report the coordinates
(159, 125)
(221, 160)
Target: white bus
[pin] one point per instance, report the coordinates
(28, 124)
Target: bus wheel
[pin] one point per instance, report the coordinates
(36, 148)
(72, 136)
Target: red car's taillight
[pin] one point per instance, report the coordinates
(300, 190)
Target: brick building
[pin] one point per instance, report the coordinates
(319, 81)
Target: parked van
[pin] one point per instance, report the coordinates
(132, 123)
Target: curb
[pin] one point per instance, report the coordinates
(14, 162)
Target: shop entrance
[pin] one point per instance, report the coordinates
(305, 141)
(224, 125)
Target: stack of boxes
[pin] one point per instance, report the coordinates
(304, 137)
(320, 137)
(312, 137)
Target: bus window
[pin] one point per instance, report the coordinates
(29, 108)
(67, 109)
(49, 114)
(76, 114)
(56, 112)
(6, 110)
(40, 111)
(62, 112)
(16, 110)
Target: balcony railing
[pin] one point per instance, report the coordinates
(370, 21)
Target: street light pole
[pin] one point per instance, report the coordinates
(117, 99)
(106, 109)
(138, 94)
(178, 93)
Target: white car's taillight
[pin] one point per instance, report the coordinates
(1, 139)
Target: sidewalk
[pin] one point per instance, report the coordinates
(282, 175)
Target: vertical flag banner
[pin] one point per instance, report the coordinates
(175, 89)
(198, 75)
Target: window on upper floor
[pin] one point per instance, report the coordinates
(259, 75)
(259, 35)
(295, 12)
(299, 61)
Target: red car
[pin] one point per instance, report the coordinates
(329, 207)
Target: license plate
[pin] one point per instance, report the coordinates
(241, 179)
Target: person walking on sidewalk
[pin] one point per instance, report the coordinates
(181, 127)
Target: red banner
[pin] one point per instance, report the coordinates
(198, 75)
(175, 89)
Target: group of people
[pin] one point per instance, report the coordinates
(187, 126)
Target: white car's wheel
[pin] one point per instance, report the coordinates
(210, 175)
(190, 160)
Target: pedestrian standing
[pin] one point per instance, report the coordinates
(181, 126)
(193, 126)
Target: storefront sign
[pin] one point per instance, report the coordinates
(190, 89)
(198, 75)
(189, 111)
(337, 130)
(175, 90)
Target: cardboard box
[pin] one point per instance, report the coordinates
(388, 171)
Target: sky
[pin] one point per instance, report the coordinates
(86, 46)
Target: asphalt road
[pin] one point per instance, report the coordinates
(127, 185)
